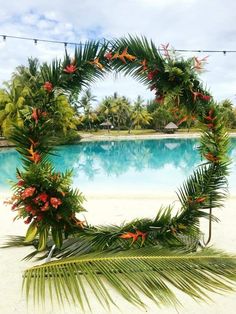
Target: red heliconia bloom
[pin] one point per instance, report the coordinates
(20, 182)
(70, 69)
(55, 202)
(48, 87)
(129, 235)
(28, 220)
(211, 157)
(35, 115)
(28, 192)
(142, 234)
(28, 209)
(35, 158)
(200, 199)
(205, 97)
(152, 74)
(39, 217)
(45, 207)
(43, 197)
(108, 56)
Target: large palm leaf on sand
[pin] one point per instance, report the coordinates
(152, 272)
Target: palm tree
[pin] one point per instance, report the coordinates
(12, 102)
(140, 115)
(122, 110)
(86, 103)
(107, 109)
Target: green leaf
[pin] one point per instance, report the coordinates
(57, 237)
(31, 232)
(152, 272)
(43, 236)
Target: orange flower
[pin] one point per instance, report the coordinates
(200, 199)
(97, 63)
(28, 192)
(70, 69)
(126, 55)
(55, 202)
(144, 65)
(48, 87)
(134, 236)
(129, 235)
(35, 156)
(211, 157)
(198, 63)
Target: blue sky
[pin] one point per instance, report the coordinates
(185, 24)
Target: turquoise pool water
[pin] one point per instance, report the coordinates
(123, 167)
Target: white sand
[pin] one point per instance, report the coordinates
(110, 210)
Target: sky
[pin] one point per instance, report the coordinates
(184, 24)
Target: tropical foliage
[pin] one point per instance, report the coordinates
(145, 255)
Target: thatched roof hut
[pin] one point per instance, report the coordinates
(170, 128)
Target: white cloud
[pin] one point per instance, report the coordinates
(187, 24)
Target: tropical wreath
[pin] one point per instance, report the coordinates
(144, 255)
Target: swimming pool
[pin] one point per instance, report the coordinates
(146, 167)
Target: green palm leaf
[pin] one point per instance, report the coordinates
(152, 272)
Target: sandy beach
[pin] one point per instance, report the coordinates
(102, 210)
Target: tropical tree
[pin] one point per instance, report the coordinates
(160, 117)
(12, 102)
(89, 115)
(139, 116)
(228, 113)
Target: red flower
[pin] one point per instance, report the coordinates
(28, 220)
(43, 197)
(211, 157)
(39, 217)
(70, 69)
(48, 86)
(205, 97)
(200, 199)
(35, 115)
(28, 192)
(28, 208)
(45, 207)
(20, 182)
(129, 235)
(108, 56)
(151, 74)
(55, 202)
(35, 156)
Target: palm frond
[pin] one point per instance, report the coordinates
(152, 272)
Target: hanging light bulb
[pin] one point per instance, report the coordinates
(35, 42)
(4, 37)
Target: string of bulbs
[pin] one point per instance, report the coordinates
(66, 43)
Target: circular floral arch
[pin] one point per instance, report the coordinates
(44, 197)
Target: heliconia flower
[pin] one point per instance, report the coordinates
(205, 97)
(39, 217)
(108, 56)
(152, 74)
(35, 115)
(211, 157)
(165, 48)
(70, 69)
(200, 199)
(142, 234)
(48, 87)
(20, 182)
(125, 55)
(43, 197)
(198, 63)
(45, 207)
(129, 235)
(28, 208)
(144, 65)
(115, 56)
(55, 202)
(28, 220)
(97, 63)
(35, 156)
(28, 192)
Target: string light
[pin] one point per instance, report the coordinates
(107, 41)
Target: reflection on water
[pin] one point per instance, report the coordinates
(115, 166)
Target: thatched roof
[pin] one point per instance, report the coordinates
(106, 123)
(171, 126)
